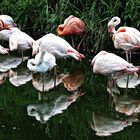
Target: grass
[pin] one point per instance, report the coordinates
(40, 17)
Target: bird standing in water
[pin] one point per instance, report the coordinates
(21, 41)
(113, 66)
(72, 26)
(57, 46)
(126, 38)
(43, 62)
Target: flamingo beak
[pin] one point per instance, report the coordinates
(82, 56)
(110, 29)
(15, 25)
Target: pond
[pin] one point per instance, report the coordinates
(77, 107)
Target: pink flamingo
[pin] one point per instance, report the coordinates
(57, 46)
(113, 66)
(72, 26)
(126, 38)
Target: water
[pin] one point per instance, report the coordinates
(78, 108)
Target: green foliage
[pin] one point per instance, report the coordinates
(40, 17)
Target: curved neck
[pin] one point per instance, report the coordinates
(32, 64)
(116, 21)
(113, 23)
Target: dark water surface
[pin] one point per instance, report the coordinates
(78, 108)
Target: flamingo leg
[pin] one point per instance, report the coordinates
(78, 47)
(127, 57)
(130, 56)
(126, 90)
(42, 82)
(40, 97)
(110, 85)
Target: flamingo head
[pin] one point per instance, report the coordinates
(75, 54)
(113, 23)
(110, 28)
(81, 56)
(8, 21)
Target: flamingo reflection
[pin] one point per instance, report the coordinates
(113, 66)
(8, 62)
(106, 124)
(128, 104)
(19, 76)
(55, 105)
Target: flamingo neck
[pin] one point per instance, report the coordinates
(113, 23)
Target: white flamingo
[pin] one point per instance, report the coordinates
(111, 65)
(21, 41)
(126, 38)
(43, 62)
(57, 46)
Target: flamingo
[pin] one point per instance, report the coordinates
(111, 65)
(72, 81)
(72, 26)
(57, 46)
(126, 38)
(43, 62)
(21, 41)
